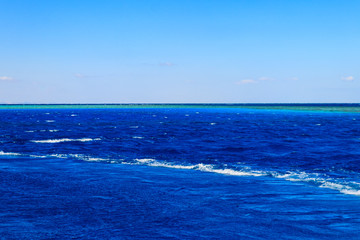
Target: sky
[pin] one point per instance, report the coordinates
(179, 51)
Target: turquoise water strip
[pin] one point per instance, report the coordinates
(354, 108)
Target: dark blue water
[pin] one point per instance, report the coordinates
(179, 173)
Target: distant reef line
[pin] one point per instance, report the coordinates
(322, 107)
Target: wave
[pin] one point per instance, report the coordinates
(153, 163)
(88, 158)
(320, 181)
(316, 179)
(66, 140)
(200, 167)
(9, 154)
(312, 178)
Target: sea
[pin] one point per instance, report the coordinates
(180, 171)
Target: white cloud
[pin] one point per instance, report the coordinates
(264, 78)
(348, 78)
(246, 81)
(78, 75)
(6, 78)
(166, 64)
(251, 80)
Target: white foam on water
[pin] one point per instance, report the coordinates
(144, 160)
(320, 181)
(30, 131)
(31, 155)
(9, 154)
(137, 137)
(66, 140)
(78, 157)
(53, 130)
(50, 121)
(61, 156)
(58, 155)
(158, 164)
(228, 171)
(200, 167)
(153, 163)
(87, 158)
(350, 192)
(341, 188)
(73, 115)
(313, 178)
(212, 123)
(38, 156)
(350, 188)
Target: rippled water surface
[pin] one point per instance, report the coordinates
(179, 173)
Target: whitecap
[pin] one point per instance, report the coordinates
(66, 140)
(153, 163)
(49, 121)
(90, 159)
(343, 188)
(313, 178)
(320, 181)
(38, 156)
(58, 155)
(137, 137)
(9, 154)
(144, 160)
(228, 171)
(200, 167)
(78, 157)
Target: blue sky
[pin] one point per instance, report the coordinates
(172, 51)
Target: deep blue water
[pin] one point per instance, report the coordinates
(179, 173)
